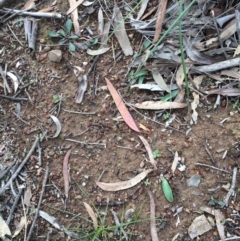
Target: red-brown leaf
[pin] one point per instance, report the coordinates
(65, 173)
(121, 107)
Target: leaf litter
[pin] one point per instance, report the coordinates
(205, 52)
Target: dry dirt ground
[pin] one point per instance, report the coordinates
(110, 149)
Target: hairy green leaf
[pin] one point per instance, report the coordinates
(62, 32)
(68, 25)
(72, 47)
(167, 190)
(53, 34)
(169, 96)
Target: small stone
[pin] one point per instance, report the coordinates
(51, 153)
(55, 55)
(231, 113)
(194, 181)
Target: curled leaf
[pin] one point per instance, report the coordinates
(97, 52)
(117, 186)
(58, 125)
(14, 80)
(167, 190)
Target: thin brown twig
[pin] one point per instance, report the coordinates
(39, 203)
(215, 168)
(15, 174)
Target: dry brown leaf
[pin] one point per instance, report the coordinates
(100, 21)
(197, 80)
(74, 5)
(143, 127)
(27, 196)
(175, 162)
(74, 14)
(180, 96)
(194, 105)
(92, 215)
(20, 226)
(121, 107)
(159, 80)
(153, 229)
(117, 186)
(149, 151)
(237, 51)
(47, 10)
(159, 21)
(233, 73)
(220, 227)
(29, 4)
(224, 91)
(65, 173)
(228, 31)
(142, 8)
(120, 31)
(158, 105)
(180, 74)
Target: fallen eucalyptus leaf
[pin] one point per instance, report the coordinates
(58, 125)
(20, 226)
(167, 190)
(220, 227)
(117, 186)
(92, 215)
(97, 52)
(65, 173)
(4, 229)
(159, 80)
(14, 80)
(82, 87)
(175, 162)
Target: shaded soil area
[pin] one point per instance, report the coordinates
(104, 148)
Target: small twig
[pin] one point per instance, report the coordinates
(15, 35)
(39, 155)
(86, 143)
(3, 173)
(209, 153)
(215, 168)
(100, 177)
(15, 174)
(116, 220)
(81, 113)
(39, 203)
(14, 205)
(125, 147)
(12, 98)
(231, 191)
(18, 116)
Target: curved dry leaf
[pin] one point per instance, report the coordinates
(65, 173)
(58, 125)
(194, 54)
(4, 229)
(14, 80)
(20, 226)
(121, 107)
(142, 8)
(98, 51)
(100, 21)
(180, 74)
(92, 215)
(159, 80)
(149, 151)
(224, 91)
(117, 186)
(220, 227)
(158, 105)
(175, 162)
(82, 87)
(153, 229)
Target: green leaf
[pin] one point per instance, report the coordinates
(62, 32)
(72, 47)
(140, 73)
(94, 41)
(156, 154)
(68, 25)
(167, 190)
(53, 34)
(73, 36)
(146, 43)
(56, 99)
(62, 41)
(169, 96)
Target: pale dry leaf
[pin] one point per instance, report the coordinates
(4, 229)
(97, 52)
(92, 215)
(100, 21)
(180, 96)
(65, 173)
(220, 227)
(120, 31)
(233, 73)
(104, 37)
(143, 127)
(175, 162)
(153, 229)
(153, 87)
(117, 186)
(74, 14)
(237, 51)
(194, 105)
(159, 105)
(82, 87)
(224, 92)
(227, 32)
(142, 8)
(159, 80)
(14, 80)
(149, 151)
(29, 4)
(27, 196)
(58, 125)
(20, 226)
(180, 74)
(74, 5)
(197, 81)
